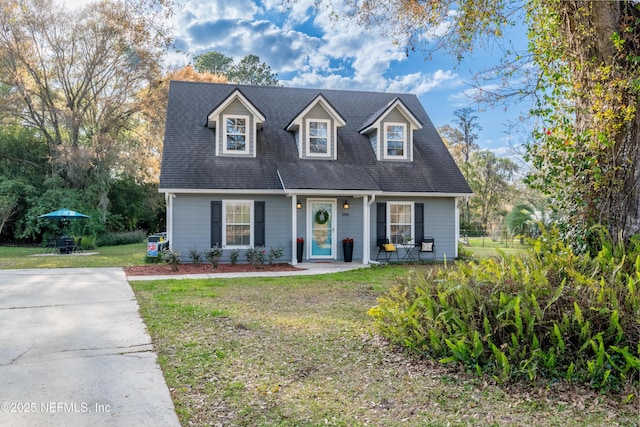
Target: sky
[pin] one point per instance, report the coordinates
(309, 49)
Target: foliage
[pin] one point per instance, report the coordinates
(249, 70)
(585, 152)
(233, 256)
(256, 256)
(549, 315)
(172, 258)
(195, 256)
(121, 238)
(275, 253)
(213, 255)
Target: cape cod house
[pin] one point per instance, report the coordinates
(247, 166)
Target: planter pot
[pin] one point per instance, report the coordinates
(347, 248)
(300, 250)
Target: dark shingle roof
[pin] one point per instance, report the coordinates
(189, 161)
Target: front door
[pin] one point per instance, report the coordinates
(321, 231)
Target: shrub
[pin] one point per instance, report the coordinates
(213, 255)
(122, 238)
(196, 256)
(172, 258)
(233, 256)
(549, 314)
(275, 254)
(256, 255)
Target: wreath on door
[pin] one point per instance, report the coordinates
(322, 216)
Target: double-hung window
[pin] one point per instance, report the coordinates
(318, 138)
(235, 136)
(395, 141)
(237, 227)
(400, 224)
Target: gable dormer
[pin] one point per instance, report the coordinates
(390, 131)
(236, 122)
(316, 130)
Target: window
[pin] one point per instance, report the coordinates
(235, 136)
(318, 138)
(237, 227)
(395, 140)
(400, 224)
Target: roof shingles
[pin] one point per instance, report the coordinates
(189, 160)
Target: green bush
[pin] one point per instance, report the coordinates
(172, 258)
(196, 256)
(121, 238)
(549, 314)
(213, 255)
(256, 256)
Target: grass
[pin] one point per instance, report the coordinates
(294, 351)
(485, 247)
(108, 256)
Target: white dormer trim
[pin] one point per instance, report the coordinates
(377, 131)
(300, 126)
(214, 117)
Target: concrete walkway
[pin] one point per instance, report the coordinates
(304, 269)
(75, 352)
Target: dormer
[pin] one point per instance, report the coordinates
(236, 122)
(390, 131)
(316, 130)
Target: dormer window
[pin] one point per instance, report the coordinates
(390, 131)
(318, 138)
(316, 130)
(235, 134)
(395, 140)
(235, 122)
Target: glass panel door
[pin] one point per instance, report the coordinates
(321, 230)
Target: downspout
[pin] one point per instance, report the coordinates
(168, 198)
(367, 229)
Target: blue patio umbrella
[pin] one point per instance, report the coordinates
(64, 214)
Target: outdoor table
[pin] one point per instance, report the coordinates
(408, 252)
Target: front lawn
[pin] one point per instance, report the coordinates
(295, 351)
(105, 256)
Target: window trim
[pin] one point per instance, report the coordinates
(247, 139)
(308, 137)
(224, 224)
(405, 141)
(411, 222)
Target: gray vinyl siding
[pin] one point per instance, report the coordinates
(192, 224)
(439, 222)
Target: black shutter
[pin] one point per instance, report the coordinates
(259, 224)
(216, 223)
(419, 222)
(381, 221)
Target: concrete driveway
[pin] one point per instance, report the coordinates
(75, 352)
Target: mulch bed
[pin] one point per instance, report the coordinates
(163, 269)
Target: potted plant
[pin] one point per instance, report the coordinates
(347, 248)
(300, 248)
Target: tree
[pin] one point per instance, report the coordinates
(213, 62)
(586, 58)
(248, 71)
(461, 142)
(490, 179)
(73, 76)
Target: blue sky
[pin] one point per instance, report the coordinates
(307, 48)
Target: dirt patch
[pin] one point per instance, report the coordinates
(163, 269)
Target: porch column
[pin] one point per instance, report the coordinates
(294, 229)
